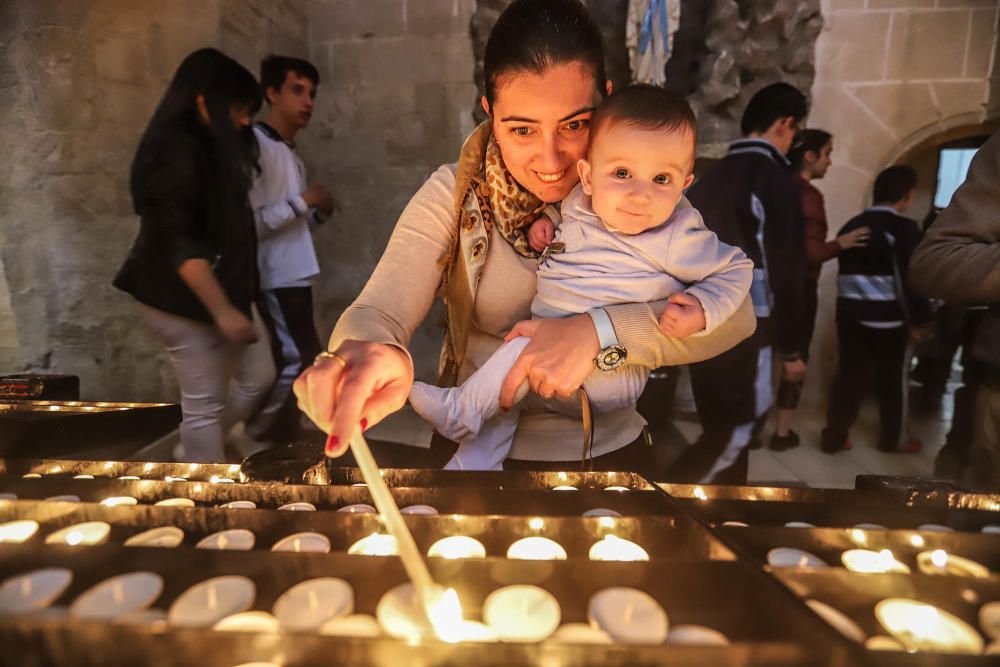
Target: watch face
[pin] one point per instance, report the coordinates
(611, 358)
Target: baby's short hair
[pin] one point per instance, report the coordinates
(646, 107)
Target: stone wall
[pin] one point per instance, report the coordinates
(394, 103)
(78, 81)
(889, 75)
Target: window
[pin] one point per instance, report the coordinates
(952, 168)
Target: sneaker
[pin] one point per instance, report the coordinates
(780, 443)
(911, 446)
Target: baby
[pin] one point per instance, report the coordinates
(622, 239)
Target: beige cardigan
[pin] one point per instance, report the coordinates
(403, 287)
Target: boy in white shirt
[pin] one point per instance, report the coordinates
(284, 210)
(622, 239)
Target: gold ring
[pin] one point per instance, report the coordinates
(329, 355)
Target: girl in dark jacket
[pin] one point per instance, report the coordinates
(192, 267)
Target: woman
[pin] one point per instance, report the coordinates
(810, 160)
(463, 236)
(192, 267)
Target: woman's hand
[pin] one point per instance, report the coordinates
(558, 359)
(857, 238)
(235, 326)
(364, 383)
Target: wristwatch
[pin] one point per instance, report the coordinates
(612, 354)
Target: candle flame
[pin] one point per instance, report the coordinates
(74, 537)
(445, 614)
(917, 541)
(699, 493)
(886, 559)
(939, 557)
(859, 536)
(536, 524)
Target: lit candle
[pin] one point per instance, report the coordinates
(129, 478)
(215, 479)
(922, 627)
(117, 501)
(579, 633)
(696, 635)
(536, 548)
(601, 511)
(239, 505)
(175, 502)
(615, 548)
(68, 498)
(298, 507)
(617, 488)
(33, 590)
(88, 533)
(838, 620)
(699, 493)
(867, 561)
(789, 557)
(249, 621)
(17, 532)
(124, 594)
(353, 625)
(564, 487)
(83, 477)
(457, 546)
(419, 510)
(171, 478)
(941, 562)
(164, 537)
(358, 508)
(31, 475)
(522, 613)
(376, 544)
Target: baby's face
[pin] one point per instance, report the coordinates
(635, 177)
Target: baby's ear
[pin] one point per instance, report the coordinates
(688, 181)
(583, 167)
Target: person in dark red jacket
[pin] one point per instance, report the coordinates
(810, 160)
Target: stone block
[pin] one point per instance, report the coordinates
(61, 78)
(860, 140)
(960, 97)
(927, 45)
(853, 49)
(845, 5)
(405, 60)
(966, 3)
(125, 106)
(982, 41)
(904, 107)
(53, 12)
(900, 4)
(438, 17)
(121, 57)
(335, 20)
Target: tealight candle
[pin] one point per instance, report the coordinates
(799, 524)
(298, 507)
(129, 478)
(564, 487)
(536, 548)
(617, 488)
(615, 548)
(67, 498)
(33, 590)
(83, 477)
(789, 557)
(989, 619)
(248, 621)
(935, 528)
(116, 501)
(922, 627)
(696, 635)
(419, 510)
(401, 615)
(88, 533)
(579, 633)
(522, 613)
(119, 595)
(629, 615)
(212, 600)
(354, 625)
(601, 512)
(313, 603)
(304, 543)
(175, 502)
(235, 539)
(8, 496)
(358, 508)
(867, 561)
(883, 643)
(215, 479)
(457, 546)
(31, 475)
(940, 561)
(172, 478)
(239, 505)
(376, 544)
(164, 537)
(17, 532)
(838, 620)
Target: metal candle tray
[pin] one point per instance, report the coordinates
(694, 576)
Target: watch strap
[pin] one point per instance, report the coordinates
(605, 329)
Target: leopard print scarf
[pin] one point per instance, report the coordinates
(512, 208)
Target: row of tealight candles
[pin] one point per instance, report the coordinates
(325, 605)
(609, 548)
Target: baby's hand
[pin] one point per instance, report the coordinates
(541, 233)
(683, 316)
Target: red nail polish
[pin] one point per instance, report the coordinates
(332, 444)
(364, 423)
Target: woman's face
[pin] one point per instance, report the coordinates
(542, 124)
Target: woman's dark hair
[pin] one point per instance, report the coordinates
(533, 35)
(812, 140)
(225, 84)
(771, 104)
